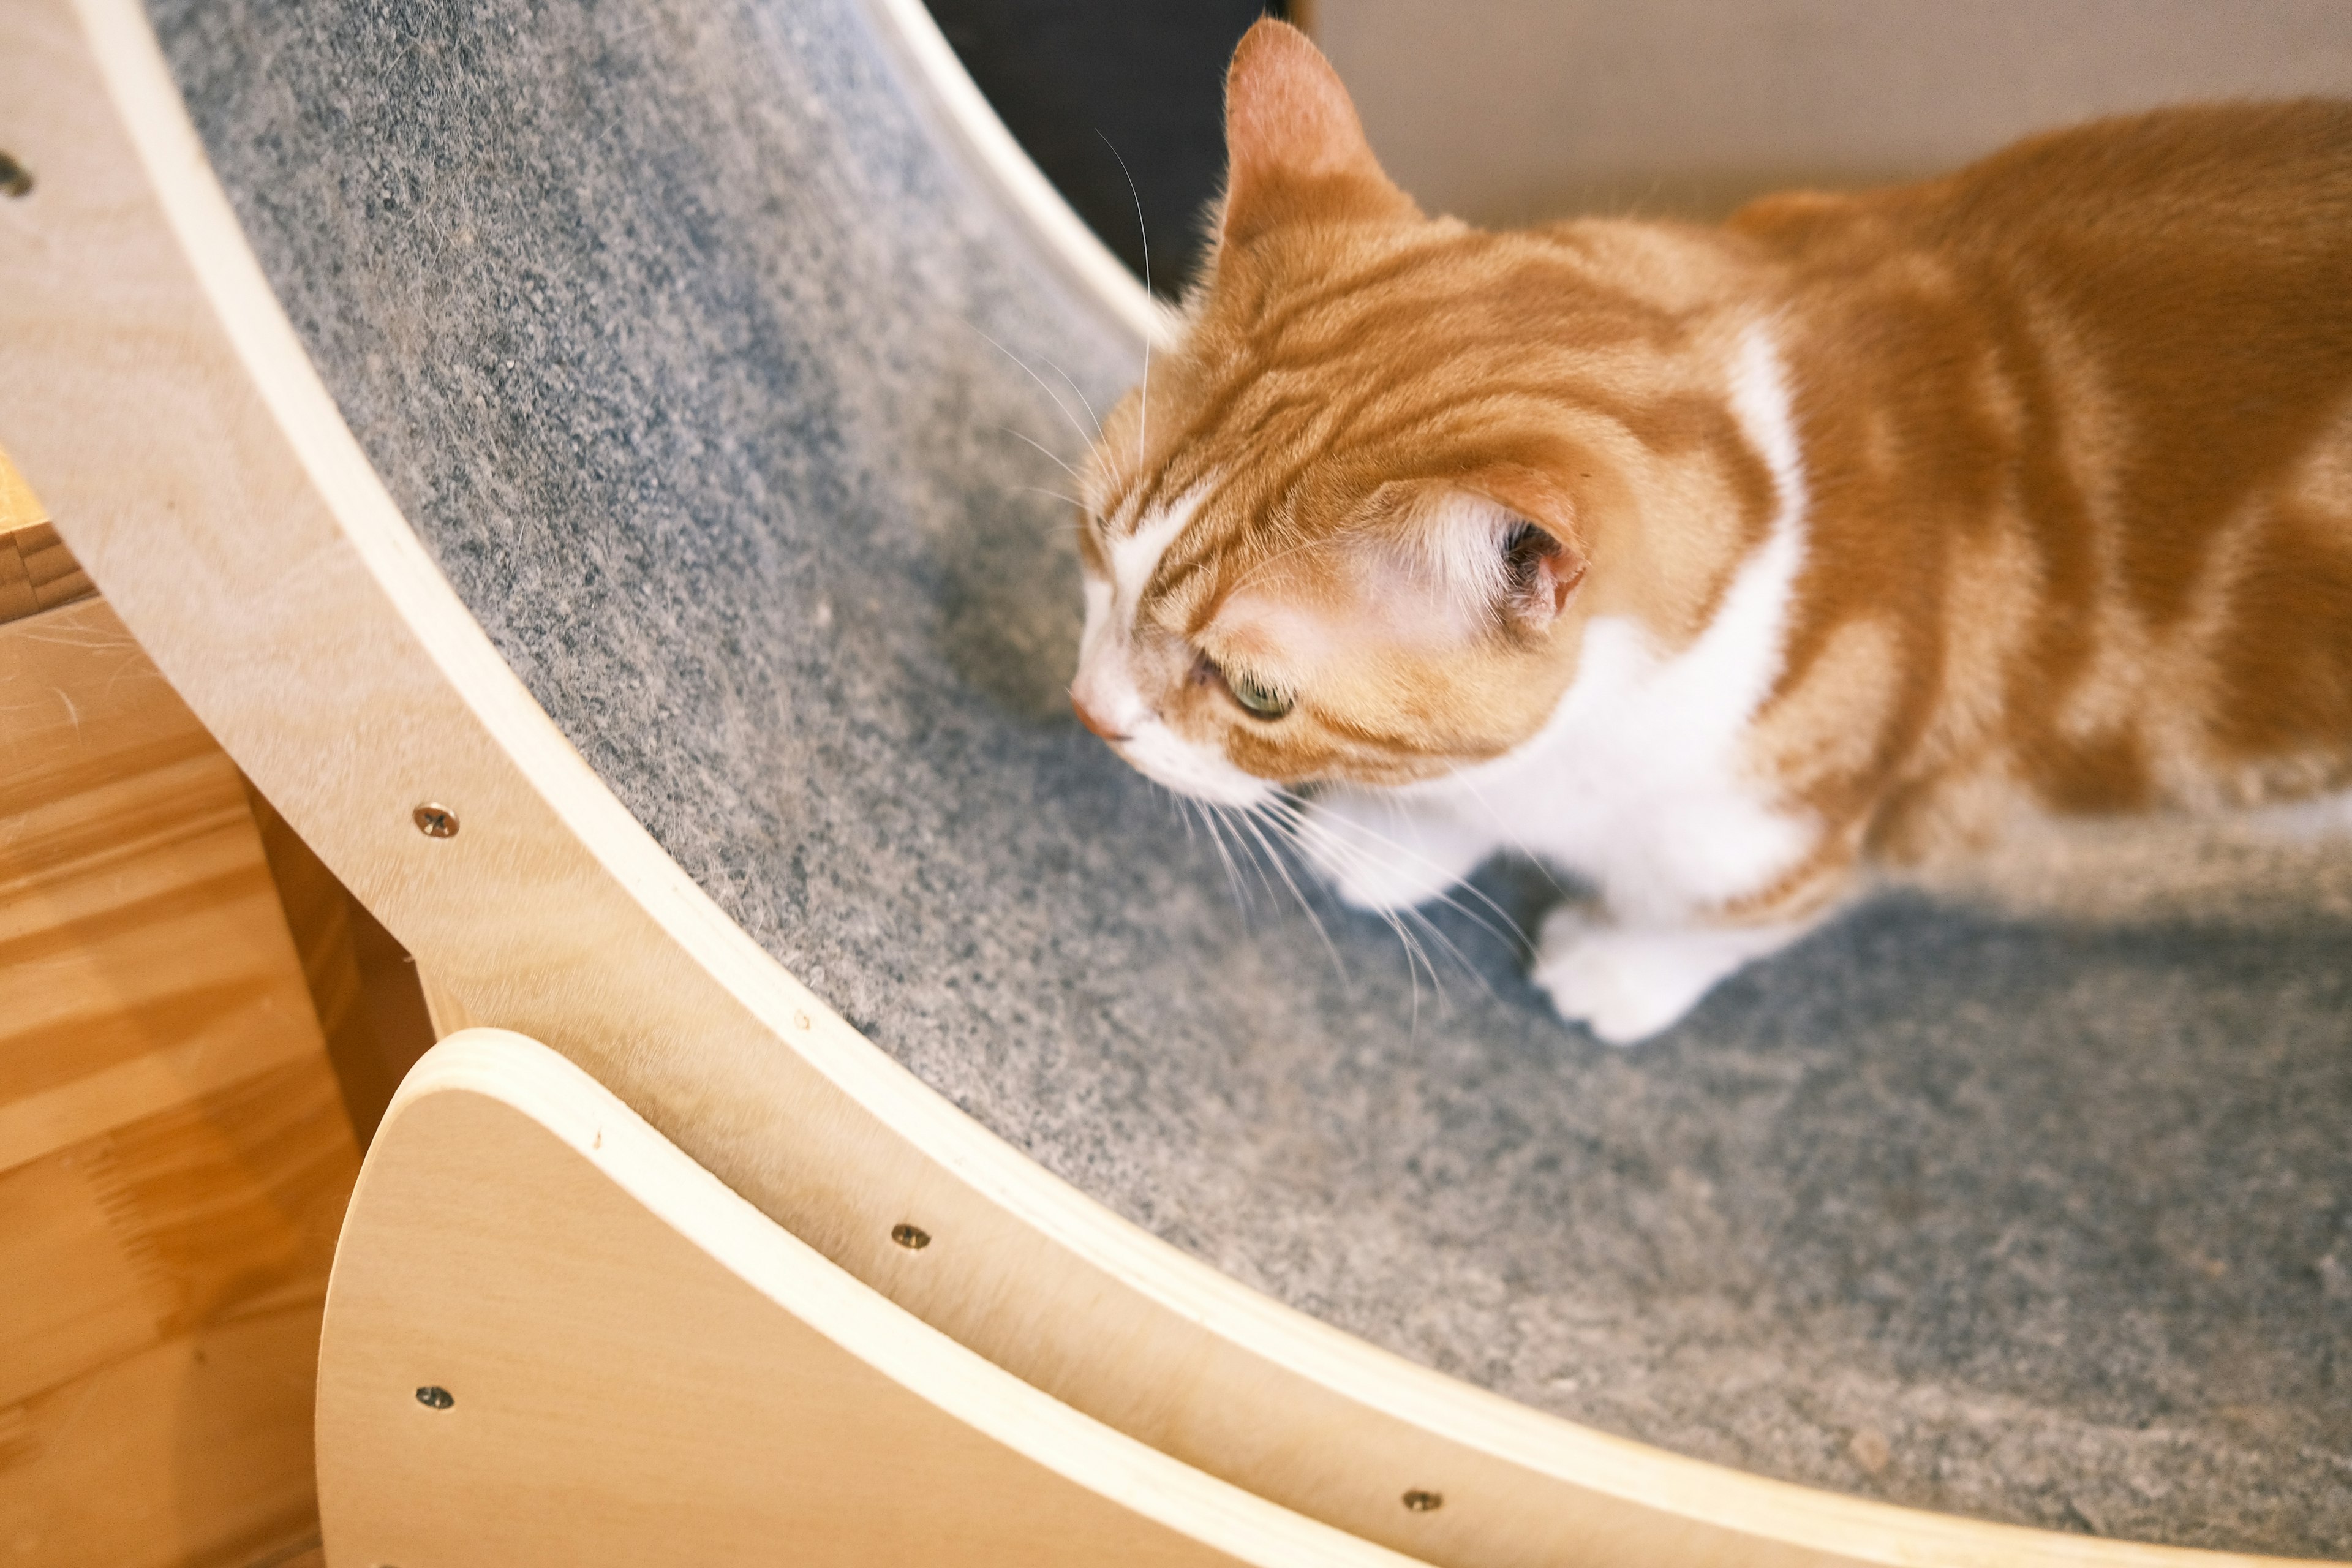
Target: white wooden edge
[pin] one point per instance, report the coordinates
(1020, 184)
(539, 1083)
(1725, 1506)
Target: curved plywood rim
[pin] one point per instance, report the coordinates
(1019, 182)
(1656, 1500)
(559, 1096)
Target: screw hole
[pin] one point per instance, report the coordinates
(435, 821)
(15, 180)
(433, 1396)
(913, 1237)
(1419, 1501)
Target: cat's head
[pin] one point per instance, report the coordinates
(1352, 525)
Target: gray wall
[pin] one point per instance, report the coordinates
(1507, 110)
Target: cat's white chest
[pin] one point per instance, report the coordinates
(1639, 782)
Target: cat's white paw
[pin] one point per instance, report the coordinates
(1379, 856)
(1626, 984)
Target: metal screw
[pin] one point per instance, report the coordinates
(1419, 1501)
(433, 1396)
(913, 1237)
(436, 821)
(15, 180)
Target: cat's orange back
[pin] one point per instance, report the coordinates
(2098, 389)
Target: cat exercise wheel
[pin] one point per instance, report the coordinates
(587, 426)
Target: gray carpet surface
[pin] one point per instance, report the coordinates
(667, 326)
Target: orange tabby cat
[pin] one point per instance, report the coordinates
(1712, 564)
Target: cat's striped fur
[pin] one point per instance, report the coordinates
(1711, 563)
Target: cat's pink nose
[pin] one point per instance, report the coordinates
(1087, 716)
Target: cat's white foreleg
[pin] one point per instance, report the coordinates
(1626, 983)
(1382, 853)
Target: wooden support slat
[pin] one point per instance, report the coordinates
(629, 1365)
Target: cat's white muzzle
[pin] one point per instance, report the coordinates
(1160, 754)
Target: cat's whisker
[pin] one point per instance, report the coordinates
(1461, 776)
(1395, 920)
(1509, 933)
(1079, 393)
(1241, 828)
(1417, 954)
(1143, 408)
(1057, 462)
(1415, 960)
(1232, 873)
(1281, 865)
(1057, 495)
(1454, 950)
(1040, 381)
(1189, 808)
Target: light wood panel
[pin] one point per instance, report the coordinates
(174, 1158)
(228, 511)
(642, 1368)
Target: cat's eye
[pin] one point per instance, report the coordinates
(1257, 698)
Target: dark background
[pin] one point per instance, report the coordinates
(1148, 77)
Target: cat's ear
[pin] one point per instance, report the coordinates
(1294, 146)
(1541, 572)
(1506, 554)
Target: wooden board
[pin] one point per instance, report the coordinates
(638, 1367)
(225, 1483)
(174, 1155)
(219, 499)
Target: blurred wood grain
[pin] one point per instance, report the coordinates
(174, 1151)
